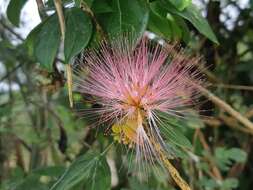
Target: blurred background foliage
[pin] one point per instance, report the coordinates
(46, 145)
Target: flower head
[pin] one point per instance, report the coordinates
(134, 84)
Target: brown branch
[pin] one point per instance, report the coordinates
(41, 9)
(223, 105)
(215, 171)
(231, 86)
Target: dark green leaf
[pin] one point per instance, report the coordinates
(78, 32)
(193, 15)
(31, 182)
(159, 25)
(89, 167)
(127, 17)
(30, 40)
(43, 41)
(174, 135)
(100, 176)
(175, 29)
(170, 129)
(167, 25)
(52, 171)
(184, 28)
(99, 6)
(13, 11)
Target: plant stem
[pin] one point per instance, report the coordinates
(69, 83)
(58, 7)
(172, 170)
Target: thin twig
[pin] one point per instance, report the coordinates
(215, 171)
(231, 86)
(12, 71)
(11, 31)
(219, 102)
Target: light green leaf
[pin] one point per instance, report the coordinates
(229, 183)
(224, 157)
(91, 168)
(13, 11)
(127, 17)
(78, 32)
(180, 4)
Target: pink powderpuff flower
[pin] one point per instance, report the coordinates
(134, 85)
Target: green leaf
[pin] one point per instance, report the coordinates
(175, 29)
(127, 17)
(165, 24)
(31, 182)
(78, 32)
(52, 171)
(30, 40)
(208, 183)
(137, 185)
(193, 15)
(91, 168)
(43, 41)
(180, 4)
(184, 28)
(174, 135)
(159, 25)
(224, 157)
(99, 6)
(100, 176)
(13, 11)
(229, 183)
(172, 132)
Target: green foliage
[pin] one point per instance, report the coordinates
(180, 4)
(175, 136)
(78, 32)
(45, 50)
(116, 17)
(225, 157)
(193, 15)
(91, 168)
(126, 17)
(45, 145)
(13, 11)
(211, 184)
